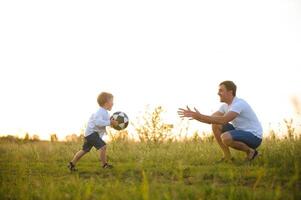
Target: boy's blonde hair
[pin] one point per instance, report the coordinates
(103, 98)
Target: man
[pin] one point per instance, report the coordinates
(244, 133)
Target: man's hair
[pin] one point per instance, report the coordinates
(103, 98)
(230, 85)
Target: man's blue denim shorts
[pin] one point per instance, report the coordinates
(243, 136)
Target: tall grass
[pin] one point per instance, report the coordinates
(157, 167)
(169, 170)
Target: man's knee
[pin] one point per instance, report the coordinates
(216, 128)
(226, 138)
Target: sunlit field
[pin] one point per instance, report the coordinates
(157, 168)
(157, 62)
(171, 170)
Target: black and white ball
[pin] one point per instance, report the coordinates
(122, 119)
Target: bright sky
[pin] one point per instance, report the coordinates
(57, 56)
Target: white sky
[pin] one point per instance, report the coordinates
(56, 56)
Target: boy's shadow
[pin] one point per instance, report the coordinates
(99, 174)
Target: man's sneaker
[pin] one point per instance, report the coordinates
(107, 166)
(254, 155)
(71, 167)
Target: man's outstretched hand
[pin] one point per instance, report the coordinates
(188, 113)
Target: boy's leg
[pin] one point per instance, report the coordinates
(101, 146)
(77, 156)
(86, 148)
(103, 157)
(102, 154)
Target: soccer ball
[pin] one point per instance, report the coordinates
(122, 119)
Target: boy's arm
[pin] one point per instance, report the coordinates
(100, 122)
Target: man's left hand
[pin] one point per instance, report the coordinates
(188, 113)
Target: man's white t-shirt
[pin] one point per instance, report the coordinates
(98, 122)
(246, 119)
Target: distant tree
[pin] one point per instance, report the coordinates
(73, 138)
(81, 137)
(35, 138)
(10, 138)
(26, 138)
(53, 137)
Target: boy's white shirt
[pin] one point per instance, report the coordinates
(98, 122)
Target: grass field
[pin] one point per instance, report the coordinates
(175, 170)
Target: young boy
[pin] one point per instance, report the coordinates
(95, 130)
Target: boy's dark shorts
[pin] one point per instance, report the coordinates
(243, 136)
(93, 140)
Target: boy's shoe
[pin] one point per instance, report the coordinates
(71, 166)
(107, 166)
